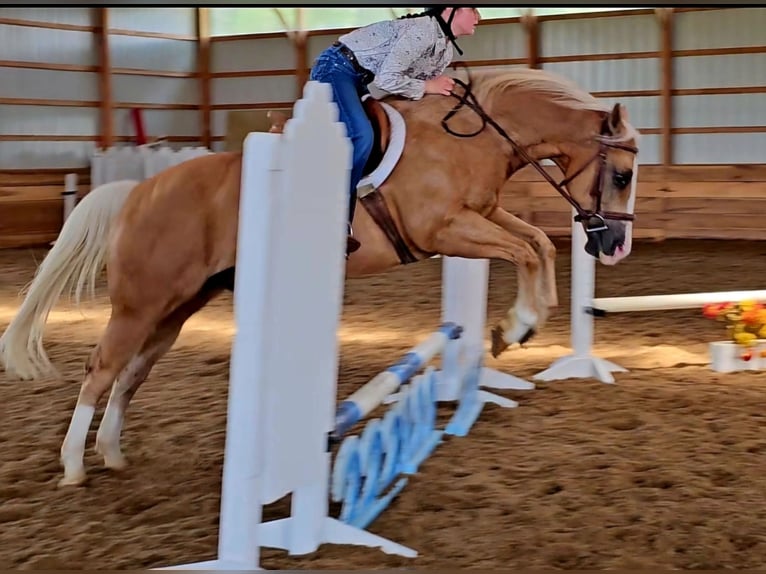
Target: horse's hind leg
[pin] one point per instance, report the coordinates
(136, 372)
(470, 235)
(124, 335)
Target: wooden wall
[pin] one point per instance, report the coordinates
(673, 202)
(32, 205)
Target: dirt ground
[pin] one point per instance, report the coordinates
(664, 469)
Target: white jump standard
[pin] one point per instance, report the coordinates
(582, 364)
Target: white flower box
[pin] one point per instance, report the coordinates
(727, 356)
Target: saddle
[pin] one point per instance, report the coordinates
(381, 127)
(368, 193)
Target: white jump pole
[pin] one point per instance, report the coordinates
(667, 302)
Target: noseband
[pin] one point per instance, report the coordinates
(593, 220)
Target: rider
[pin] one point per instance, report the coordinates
(406, 57)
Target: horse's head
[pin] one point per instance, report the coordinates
(600, 176)
(595, 147)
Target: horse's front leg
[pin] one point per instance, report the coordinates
(544, 247)
(472, 236)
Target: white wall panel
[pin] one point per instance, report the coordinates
(599, 35)
(693, 30)
(159, 123)
(180, 145)
(180, 20)
(218, 122)
(26, 155)
(44, 45)
(261, 54)
(495, 41)
(610, 75)
(48, 120)
(735, 27)
(150, 90)
(152, 53)
(48, 84)
(649, 146)
(68, 15)
(50, 46)
(253, 90)
(643, 111)
(719, 148)
(317, 44)
(720, 110)
(734, 70)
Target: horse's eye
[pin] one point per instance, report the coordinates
(621, 179)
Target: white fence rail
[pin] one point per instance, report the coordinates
(116, 163)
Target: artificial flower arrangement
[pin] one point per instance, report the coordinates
(745, 326)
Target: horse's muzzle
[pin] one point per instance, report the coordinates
(606, 241)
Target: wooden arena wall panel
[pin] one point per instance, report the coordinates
(31, 206)
(236, 124)
(700, 201)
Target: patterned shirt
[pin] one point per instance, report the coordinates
(402, 53)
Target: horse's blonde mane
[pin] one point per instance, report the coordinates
(489, 83)
(486, 83)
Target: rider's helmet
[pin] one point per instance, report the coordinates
(436, 12)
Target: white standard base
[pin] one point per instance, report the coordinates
(277, 533)
(727, 356)
(213, 565)
(580, 367)
(494, 379)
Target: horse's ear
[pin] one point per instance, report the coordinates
(618, 115)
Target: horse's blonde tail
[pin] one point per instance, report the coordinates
(75, 261)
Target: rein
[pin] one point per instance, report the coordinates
(595, 219)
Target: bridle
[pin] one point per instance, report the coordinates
(593, 220)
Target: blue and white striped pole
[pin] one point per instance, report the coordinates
(372, 394)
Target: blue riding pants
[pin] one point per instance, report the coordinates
(332, 67)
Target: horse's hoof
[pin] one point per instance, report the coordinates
(116, 462)
(527, 336)
(73, 479)
(113, 458)
(498, 342)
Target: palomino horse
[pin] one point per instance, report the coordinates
(169, 242)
